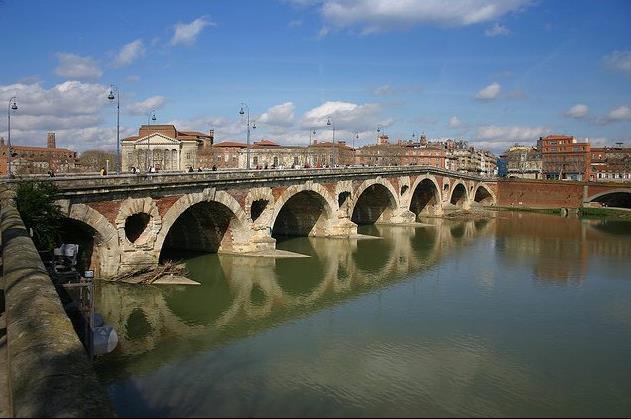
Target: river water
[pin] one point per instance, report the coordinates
(522, 314)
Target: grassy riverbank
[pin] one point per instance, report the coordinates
(594, 213)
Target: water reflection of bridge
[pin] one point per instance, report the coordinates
(560, 252)
(244, 295)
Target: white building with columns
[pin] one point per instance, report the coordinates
(163, 147)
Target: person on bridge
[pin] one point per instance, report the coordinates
(103, 171)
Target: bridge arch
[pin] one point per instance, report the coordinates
(426, 197)
(459, 195)
(375, 201)
(303, 210)
(617, 198)
(210, 222)
(97, 239)
(484, 195)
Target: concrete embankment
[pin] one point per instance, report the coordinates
(49, 373)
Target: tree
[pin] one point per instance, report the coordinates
(35, 201)
(94, 160)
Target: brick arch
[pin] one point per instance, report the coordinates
(488, 189)
(107, 258)
(189, 200)
(414, 186)
(328, 209)
(623, 195)
(454, 186)
(392, 198)
(613, 190)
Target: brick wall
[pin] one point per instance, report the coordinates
(539, 194)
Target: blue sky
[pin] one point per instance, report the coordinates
(493, 72)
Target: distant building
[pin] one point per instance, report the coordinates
(611, 164)
(523, 162)
(461, 157)
(37, 160)
(164, 148)
(565, 158)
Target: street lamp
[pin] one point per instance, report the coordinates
(331, 124)
(150, 117)
(13, 106)
(244, 112)
(114, 93)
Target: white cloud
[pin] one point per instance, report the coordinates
(68, 98)
(294, 23)
(490, 92)
(71, 109)
(389, 90)
(455, 122)
(495, 134)
(279, 115)
(344, 115)
(619, 60)
(621, 113)
(147, 105)
(129, 53)
(577, 111)
(187, 33)
(76, 67)
(383, 15)
(385, 90)
(497, 30)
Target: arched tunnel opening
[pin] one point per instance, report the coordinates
(425, 200)
(458, 196)
(483, 196)
(203, 228)
(375, 204)
(304, 214)
(615, 199)
(135, 225)
(78, 232)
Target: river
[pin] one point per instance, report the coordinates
(521, 314)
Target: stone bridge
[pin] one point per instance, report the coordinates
(127, 222)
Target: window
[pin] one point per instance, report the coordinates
(188, 156)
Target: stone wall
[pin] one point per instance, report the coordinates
(49, 372)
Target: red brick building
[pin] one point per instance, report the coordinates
(37, 160)
(565, 158)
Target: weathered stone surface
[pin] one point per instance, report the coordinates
(49, 372)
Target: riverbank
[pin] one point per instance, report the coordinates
(593, 213)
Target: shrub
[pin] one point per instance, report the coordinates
(35, 200)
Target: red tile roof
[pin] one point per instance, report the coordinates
(230, 144)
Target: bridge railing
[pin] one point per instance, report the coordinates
(91, 181)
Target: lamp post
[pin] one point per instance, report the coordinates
(332, 125)
(247, 113)
(13, 106)
(150, 117)
(114, 93)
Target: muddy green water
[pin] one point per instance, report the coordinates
(524, 314)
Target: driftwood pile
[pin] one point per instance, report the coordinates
(148, 275)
